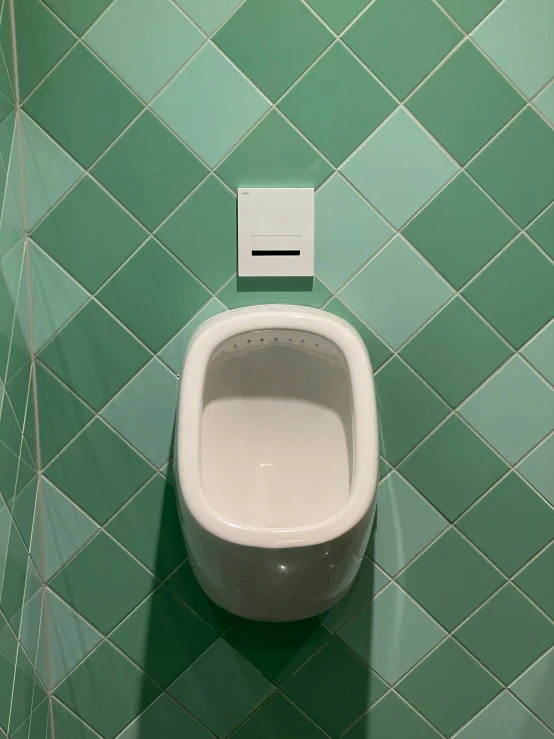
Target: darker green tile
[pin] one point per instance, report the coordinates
(453, 467)
(510, 524)
(154, 309)
(407, 409)
(94, 355)
(163, 636)
(99, 471)
(277, 649)
(8, 655)
(24, 510)
(542, 230)
(61, 414)
(15, 572)
(278, 719)
(465, 102)
(36, 725)
(83, 118)
(514, 292)
(149, 170)
(536, 580)
(78, 16)
(94, 691)
(164, 719)
(103, 583)
(515, 168)
(391, 718)
(334, 688)
(377, 350)
(468, 13)
(273, 43)
(274, 155)
(202, 233)
(9, 464)
(338, 14)
(93, 220)
(449, 687)
(450, 579)
(27, 691)
(221, 689)
(149, 527)
(402, 40)
(460, 230)
(337, 104)
(507, 634)
(455, 352)
(68, 726)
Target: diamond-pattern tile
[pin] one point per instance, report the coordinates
(78, 16)
(377, 350)
(164, 717)
(538, 468)
(280, 717)
(338, 15)
(468, 13)
(530, 688)
(531, 580)
(208, 15)
(545, 102)
(391, 717)
(542, 230)
(540, 352)
(505, 717)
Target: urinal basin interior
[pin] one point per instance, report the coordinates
(276, 430)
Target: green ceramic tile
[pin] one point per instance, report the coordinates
(389, 719)
(202, 233)
(334, 688)
(158, 40)
(407, 409)
(396, 292)
(540, 352)
(68, 725)
(404, 525)
(450, 579)
(545, 102)
(99, 471)
(468, 13)
(476, 102)
(274, 155)
(514, 410)
(36, 725)
(208, 15)
(94, 355)
(210, 104)
(83, 119)
(452, 468)
(106, 707)
(542, 230)
(369, 581)
(507, 634)
(103, 583)
(27, 691)
(505, 717)
(530, 688)
(347, 231)
(153, 314)
(516, 38)
(377, 350)
(399, 168)
(449, 687)
(392, 634)
(241, 292)
(538, 468)
(514, 292)
(221, 689)
(460, 230)
(149, 170)
(277, 650)
(173, 354)
(78, 16)
(510, 524)
(149, 527)
(402, 40)
(338, 15)
(164, 717)
(8, 653)
(107, 235)
(144, 412)
(15, 572)
(61, 414)
(24, 510)
(455, 352)
(278, 719)
(41, 42)
(273, 43)
(514, 168)
(163, 637)
(337, 104)
(535, 580)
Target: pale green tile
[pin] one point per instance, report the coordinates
(514, 410)
(538, 468)
(518, 37)
(208, 15)
(534, 688)
(545, 102)
(540, 352)
(504, 718)
(399, 168)
(347, 231)
(396, 292)
(210, 104)
(173, 353)
(29, 629)
(144, 42)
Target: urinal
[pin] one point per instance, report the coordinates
(276, 459)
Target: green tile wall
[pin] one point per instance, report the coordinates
(426, 127)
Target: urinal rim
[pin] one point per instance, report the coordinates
(204, 341)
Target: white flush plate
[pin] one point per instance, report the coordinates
(276, 232)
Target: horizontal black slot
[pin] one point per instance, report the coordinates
(275, 252)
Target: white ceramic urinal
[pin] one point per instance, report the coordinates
(276, 456)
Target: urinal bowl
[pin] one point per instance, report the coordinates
(276, 459)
